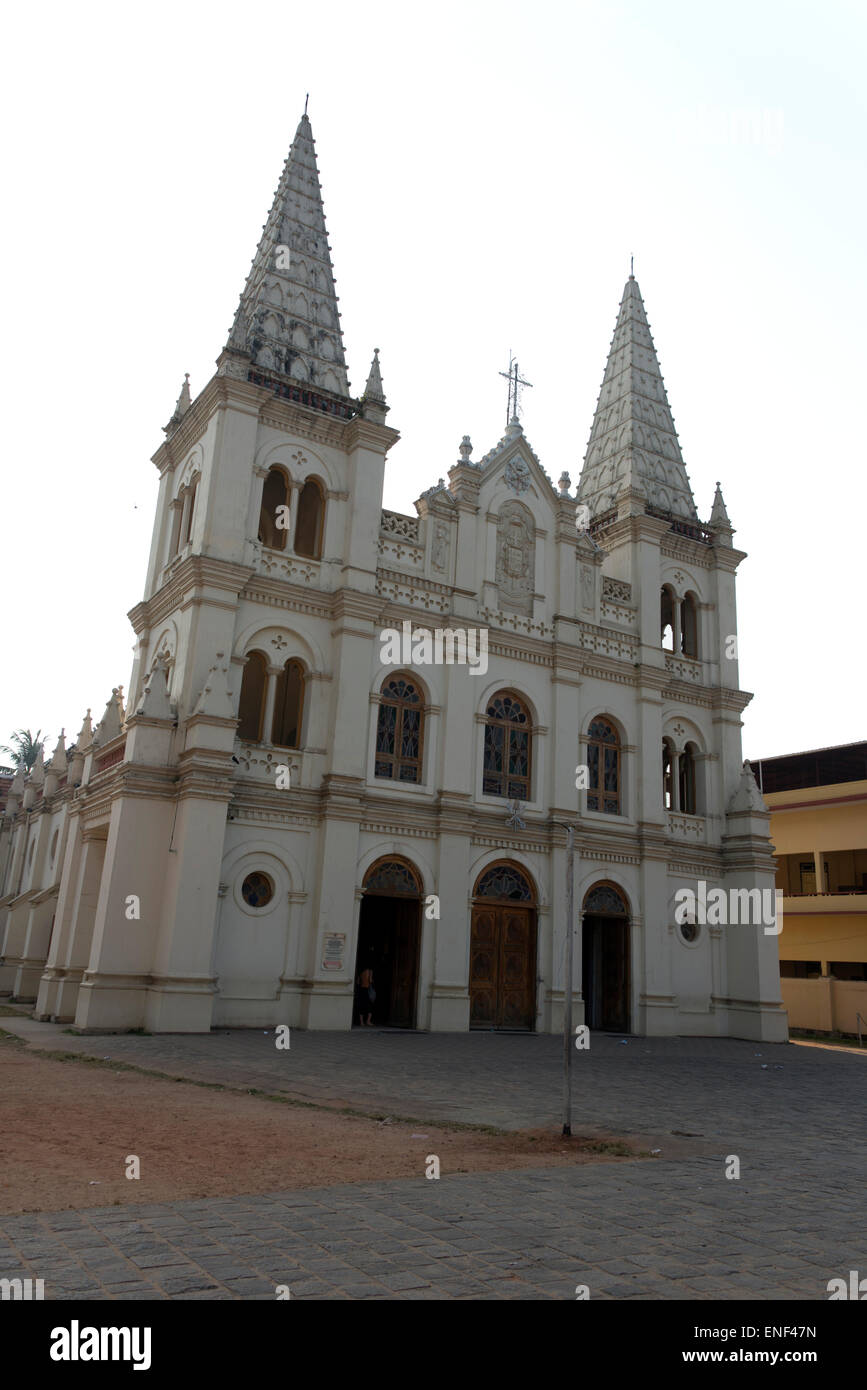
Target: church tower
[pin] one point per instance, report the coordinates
(269, 505)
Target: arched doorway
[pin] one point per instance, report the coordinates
(605, 959)
(503, 950)
(389, 929)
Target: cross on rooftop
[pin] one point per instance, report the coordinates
(515, 382)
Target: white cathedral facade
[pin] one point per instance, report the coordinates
(285, 799)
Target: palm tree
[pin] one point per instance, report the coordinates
(25, 750)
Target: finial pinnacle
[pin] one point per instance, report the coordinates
(306, 99)
(632, 267)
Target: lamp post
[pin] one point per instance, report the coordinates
(567, 1011)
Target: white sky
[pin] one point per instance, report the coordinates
(487, 170)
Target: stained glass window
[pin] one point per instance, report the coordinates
(504, 881)
(506, 769)
(605, 901)
(399, 728)
(392, 876)
(257, 890)
(603, 762)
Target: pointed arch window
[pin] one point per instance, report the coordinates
(309, 523)
(252, 704)
(603, 762)
(399, 730)
(274, 512)
(288, 706)
(508, 748)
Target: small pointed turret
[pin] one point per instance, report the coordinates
(747, 797)
(183, 404)
(57, 767)
(373, 400)
(154, 703)
(85, 734)
(111, 723)
(216, 699)
(288, 321)
(719, 519)
(633, 438)
(16, 792)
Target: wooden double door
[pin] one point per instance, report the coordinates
(388, 944)
(606, 973)
(503, 967)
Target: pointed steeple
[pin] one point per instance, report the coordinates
(288, 321)
(633, 439)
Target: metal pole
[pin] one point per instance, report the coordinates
(567, 1012)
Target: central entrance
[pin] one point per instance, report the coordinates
(503, 950)
(605, 960)
(389, 929)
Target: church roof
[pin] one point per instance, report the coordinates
(288, 320)
(633, 439)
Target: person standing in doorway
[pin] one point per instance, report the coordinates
(365, 997)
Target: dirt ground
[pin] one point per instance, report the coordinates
(67, 1128)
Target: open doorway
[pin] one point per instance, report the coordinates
(389, 932)
(605, 960)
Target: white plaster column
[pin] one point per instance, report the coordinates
(819, 861)
(677, 623)
(675, 781)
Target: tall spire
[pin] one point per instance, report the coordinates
(288, 321)
(633, 439)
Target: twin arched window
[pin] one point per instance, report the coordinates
(678, 622)
(603, 763)
(282, 690)
(399, 730)
(183, 510)
(679, 778)
(274, 515)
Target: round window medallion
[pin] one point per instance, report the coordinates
(689, 931)
(257, 890)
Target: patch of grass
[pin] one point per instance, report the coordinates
(7, 1012)
(833, 1039)
(615, 1147)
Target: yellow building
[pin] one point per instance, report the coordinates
(818, 805)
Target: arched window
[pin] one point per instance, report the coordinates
(399, 730)
(666, 617)
(308, 526)
(667, 774)
(191, 507)
(274, 512)
(505, 882)
(689, 626)
(252, 706)
(288, 706)
(507, 748)
(603, 761)
(687, 780)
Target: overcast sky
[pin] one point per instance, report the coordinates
(487, 171)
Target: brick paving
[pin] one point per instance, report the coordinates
(673, 1228)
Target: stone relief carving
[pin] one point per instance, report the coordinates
(516, 557)
(587, 588)
(440, 551)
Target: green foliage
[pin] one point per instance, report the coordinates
(24, 750)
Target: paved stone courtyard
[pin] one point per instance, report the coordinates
(673, 1227)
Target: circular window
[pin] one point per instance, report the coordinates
(257, 890)
(689, 931)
